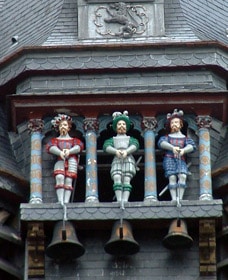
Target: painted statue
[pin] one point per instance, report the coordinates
(176, 146)
(66, 149)
(123, 167)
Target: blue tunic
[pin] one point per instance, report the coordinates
(171, 164)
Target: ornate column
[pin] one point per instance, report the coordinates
(204, 123)
(150, 183)
(90, 127)
(36, 126)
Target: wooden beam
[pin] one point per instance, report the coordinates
(30, 106)
(35, 250)
(207, 247)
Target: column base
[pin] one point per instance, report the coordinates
(35, 200)
(205, 196)
(150, 198)
(91, 199)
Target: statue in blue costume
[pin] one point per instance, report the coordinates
(176, 145)
(123, 167)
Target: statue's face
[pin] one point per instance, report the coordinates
(121, 127)
(63, 128)
(175, 125)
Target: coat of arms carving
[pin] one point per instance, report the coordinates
(121, 20)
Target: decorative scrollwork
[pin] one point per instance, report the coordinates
(120, 20)
(149, 123)
(204, 121)
(35, 125)
(91, 124)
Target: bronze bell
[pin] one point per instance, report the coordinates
(122, 241)
(177, 236)
(64, 244)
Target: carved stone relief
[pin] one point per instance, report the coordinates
(121, 19)
(101, 20)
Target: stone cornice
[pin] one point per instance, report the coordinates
(160, 210)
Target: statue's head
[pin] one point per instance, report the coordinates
(117, 117)
(175, 117)
(61, 118)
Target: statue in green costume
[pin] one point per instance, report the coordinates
(123, 167)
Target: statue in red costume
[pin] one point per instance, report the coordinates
(67, 150)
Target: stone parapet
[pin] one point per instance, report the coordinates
(148, 210)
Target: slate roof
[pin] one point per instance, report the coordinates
(142, 55)
(222, 157)
(7, 159)
(208, 18)
(31, 21)
(55, 22)
(219, 170)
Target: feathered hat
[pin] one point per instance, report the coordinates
(58, 119)
(176, 114)
(117, 116)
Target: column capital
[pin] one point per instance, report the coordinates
(35, 125)
(149, 123)
(204, 121)
(91, 124)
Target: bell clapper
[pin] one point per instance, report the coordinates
(64, 237)
(121, 228)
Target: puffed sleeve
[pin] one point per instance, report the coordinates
(107, 143)
(79, 143)
(52, 142)
(189, 141)
(135, 142)
(162, 139)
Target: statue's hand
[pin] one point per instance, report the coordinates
(177, 151)
(118, 153)
(124, 154)
(64, 154)
(181, 153)
(121, 154)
